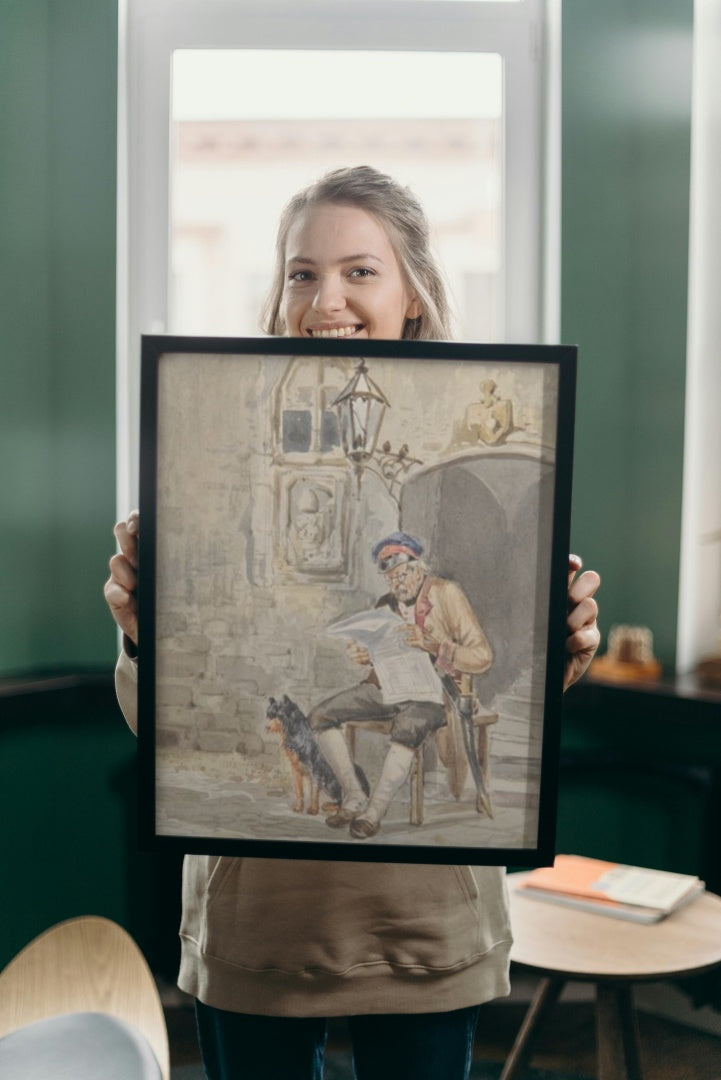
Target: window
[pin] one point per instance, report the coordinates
(699, 623)
(236, 160)
(450, 95)
(308, 421)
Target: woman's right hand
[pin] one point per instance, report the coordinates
(121, 587)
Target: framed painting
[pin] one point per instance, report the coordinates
(352, 597)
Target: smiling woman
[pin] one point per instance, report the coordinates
(353, 259)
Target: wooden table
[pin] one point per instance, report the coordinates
(563, 944)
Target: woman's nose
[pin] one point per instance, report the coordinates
(329, 296)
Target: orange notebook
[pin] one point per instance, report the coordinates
(631, 892)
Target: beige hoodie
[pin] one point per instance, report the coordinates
(299, 938)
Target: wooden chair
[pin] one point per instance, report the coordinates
(79, 968)
(449, 740)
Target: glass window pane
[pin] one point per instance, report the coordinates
(238, 154)
(297, 431)
(329, 431)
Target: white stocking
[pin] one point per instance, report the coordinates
(396, 767)
(335, 749)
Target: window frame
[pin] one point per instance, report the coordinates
(526, 34)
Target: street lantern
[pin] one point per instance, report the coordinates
(360, 407)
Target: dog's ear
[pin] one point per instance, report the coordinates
(271, 701)
(286, 699)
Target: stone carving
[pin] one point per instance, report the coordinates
(490, 420)
(312, 518)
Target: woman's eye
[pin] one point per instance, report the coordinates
(300, 276)
(362, 272)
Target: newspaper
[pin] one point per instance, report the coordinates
(405, 673)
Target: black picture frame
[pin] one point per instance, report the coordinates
(260, 506)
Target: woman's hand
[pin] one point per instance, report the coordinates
(583, 636)
(121, 587)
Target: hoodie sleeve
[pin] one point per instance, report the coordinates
(126, 688)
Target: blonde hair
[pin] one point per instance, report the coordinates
(403, 217)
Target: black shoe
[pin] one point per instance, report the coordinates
(361, 828)
(341, 818)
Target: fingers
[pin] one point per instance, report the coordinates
(575, 563)
(121, 587)
(357, 653)
(581, 649)
(584, 586)
(420, 639)
(582, 607)
(583, 613)
(123, 572)
(584, 641)
(119, 599)
(583, 636)
(123, 608)
(126, 534)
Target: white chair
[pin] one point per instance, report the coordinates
(80, 1002)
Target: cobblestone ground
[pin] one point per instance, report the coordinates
(208, 795)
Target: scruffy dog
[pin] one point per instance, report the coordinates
(305, 758)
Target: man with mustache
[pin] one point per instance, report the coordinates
(438, 619)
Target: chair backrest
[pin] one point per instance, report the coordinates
(87, 964)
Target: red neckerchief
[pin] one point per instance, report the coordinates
(423, 605)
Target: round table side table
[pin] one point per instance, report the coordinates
(564, 944)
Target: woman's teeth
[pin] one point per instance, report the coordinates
(337, 331)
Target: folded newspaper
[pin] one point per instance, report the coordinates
(405, 673)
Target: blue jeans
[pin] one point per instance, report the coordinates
(415, 1046)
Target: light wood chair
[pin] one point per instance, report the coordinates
(84, 965)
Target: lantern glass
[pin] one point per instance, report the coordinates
(361, 407)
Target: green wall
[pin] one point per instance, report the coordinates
(625, 167)
(58, 72)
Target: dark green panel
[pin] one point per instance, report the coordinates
(26, 491)
(626, 816)
(67, 790)
(626, 145)
(68, 785)
(641, 777)
(58, 80)
(82, 267)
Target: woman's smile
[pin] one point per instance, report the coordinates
(334, 331)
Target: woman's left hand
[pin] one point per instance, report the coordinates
(582, 634)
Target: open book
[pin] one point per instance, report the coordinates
(404, 672)
(607, 888)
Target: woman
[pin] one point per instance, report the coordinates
(271, 948)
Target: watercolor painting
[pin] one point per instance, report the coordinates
(352, 597)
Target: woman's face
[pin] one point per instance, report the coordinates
(342, 277)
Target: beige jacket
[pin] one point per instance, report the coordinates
(443, 610)
(300, 938)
